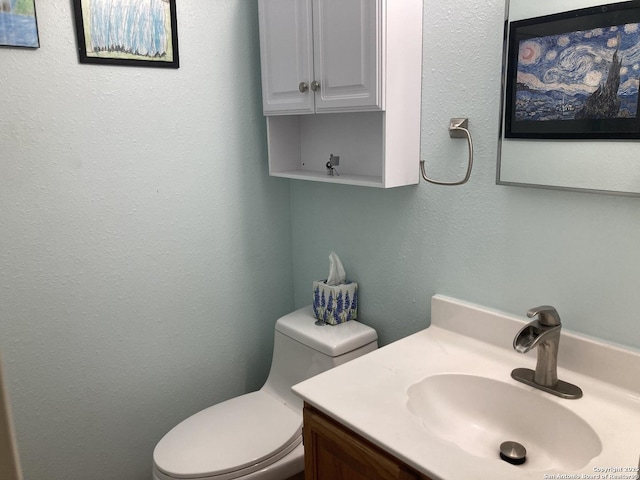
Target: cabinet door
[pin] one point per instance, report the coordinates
(347, 54)
(286, 56)
(333, 452)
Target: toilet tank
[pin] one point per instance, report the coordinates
(302, 349)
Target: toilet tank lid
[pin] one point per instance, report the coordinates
(332, 340)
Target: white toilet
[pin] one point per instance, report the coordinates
(258, 436)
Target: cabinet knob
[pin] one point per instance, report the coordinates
(315, 86)
(303, 87)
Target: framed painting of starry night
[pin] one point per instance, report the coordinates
(127, 32)
(575, 74)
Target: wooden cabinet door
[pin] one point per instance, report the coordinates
(332, 452)
(348, 54)
(286, 56)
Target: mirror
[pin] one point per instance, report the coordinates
(584, 159)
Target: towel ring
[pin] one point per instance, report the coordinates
(458, 128)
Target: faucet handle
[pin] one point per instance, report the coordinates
(547, 315)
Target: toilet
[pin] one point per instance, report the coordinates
(258, 436)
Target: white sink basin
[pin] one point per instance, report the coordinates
(478, 414)
(443, 401)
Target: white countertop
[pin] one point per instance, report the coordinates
(369, 394)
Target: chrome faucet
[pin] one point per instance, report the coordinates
(543, 332)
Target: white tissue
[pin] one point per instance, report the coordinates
(337, 274)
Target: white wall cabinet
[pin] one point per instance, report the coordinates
(342, 77)
(320, 56)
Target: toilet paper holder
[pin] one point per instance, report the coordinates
(458, 128)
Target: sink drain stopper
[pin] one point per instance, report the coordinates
(513, 453)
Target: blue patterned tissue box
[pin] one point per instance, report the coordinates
(335, 304)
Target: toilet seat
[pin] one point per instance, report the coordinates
(233, 438)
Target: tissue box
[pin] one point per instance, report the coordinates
(335, 304)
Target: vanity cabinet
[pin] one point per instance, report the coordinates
(343, 78)
(332, 451)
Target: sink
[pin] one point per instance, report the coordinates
(479, 413)
(443, 401)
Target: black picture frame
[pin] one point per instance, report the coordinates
(19, 24)
(128, 33)
(566, 73)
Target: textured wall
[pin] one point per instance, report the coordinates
(509, 248)
(145, 254)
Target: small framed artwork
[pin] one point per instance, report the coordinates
(18, 25)
(575, 74)
(127, 32)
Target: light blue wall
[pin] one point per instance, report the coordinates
(508, 248)
(145, 253)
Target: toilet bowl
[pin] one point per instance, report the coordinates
(258, 436)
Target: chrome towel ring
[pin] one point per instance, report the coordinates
(458, 128)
